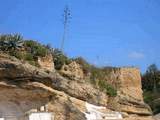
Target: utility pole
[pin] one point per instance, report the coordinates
(154, 82)
(66, 18)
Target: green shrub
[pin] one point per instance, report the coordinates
(96, 73)
(60, 59)
(41, 51)
(32, 63)
(11, 42)
(35, 48)
(30, 43)
(156, 109)
(11, 37)
(152, 100)
(28, 50)
(28, 57)
(17, 54)
(85, 65)
(148, 96)
(109, 89)
(98, 76)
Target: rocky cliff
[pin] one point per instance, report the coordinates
(25, 88)
(129, 99)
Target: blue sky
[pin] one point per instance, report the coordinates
(105, 32)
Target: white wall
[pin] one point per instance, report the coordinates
(40, 116)
(94, 113)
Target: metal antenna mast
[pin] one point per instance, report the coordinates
(66, 18)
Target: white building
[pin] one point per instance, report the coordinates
(40, 116)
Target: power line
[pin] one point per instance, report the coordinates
(66, 18)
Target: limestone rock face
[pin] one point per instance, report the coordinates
(130, 95)
(134, 117)
(130, 83)
(65, 109)
(46, 62)
(73, 71)
(80, 90)
(16, 101)
(25, 88)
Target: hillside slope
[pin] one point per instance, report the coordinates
(26, 88)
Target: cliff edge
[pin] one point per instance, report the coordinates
(25, 88)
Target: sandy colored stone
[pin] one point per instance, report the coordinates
(73, 71)
(25, 88)
(130, 96)
(46, 62)
(130, 83)
(139, 118)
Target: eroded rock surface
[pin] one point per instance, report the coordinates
(46, 62)
(24, 88)
(73, 71)
(130, 97)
